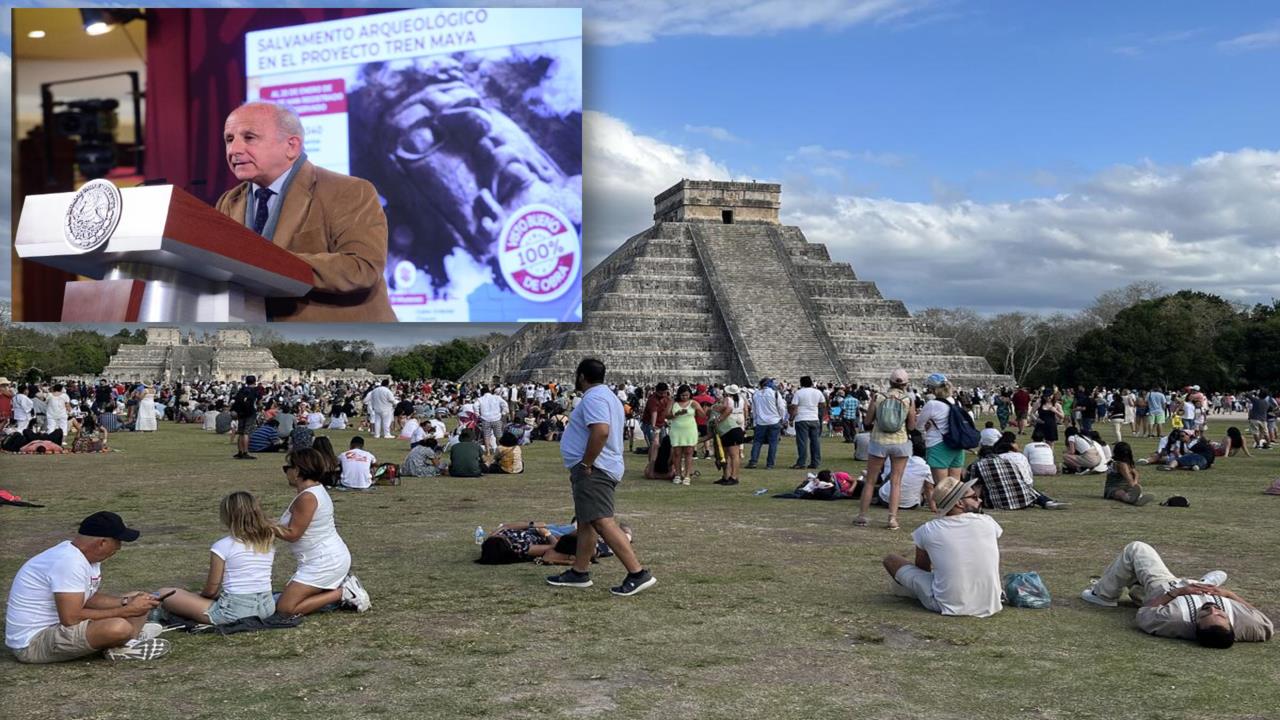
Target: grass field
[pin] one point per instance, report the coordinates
(764, 608)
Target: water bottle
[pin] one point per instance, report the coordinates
(761, 491)
(479, 535)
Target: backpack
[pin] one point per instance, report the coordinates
(891, 415)
(386, 474)
(961, 433)
(662, 461)
(245, 402)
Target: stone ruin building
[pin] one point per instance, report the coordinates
(167, 356)
(718, 290)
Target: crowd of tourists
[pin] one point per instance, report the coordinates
(922, 447)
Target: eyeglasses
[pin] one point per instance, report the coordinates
(287, 468)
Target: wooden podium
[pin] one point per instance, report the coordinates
(170, 258)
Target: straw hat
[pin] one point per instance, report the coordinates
(949, 491)
(731, 389)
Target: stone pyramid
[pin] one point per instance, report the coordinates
(717, 290)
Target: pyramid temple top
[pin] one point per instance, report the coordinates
(713, 201)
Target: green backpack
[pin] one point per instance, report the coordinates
(891, 415)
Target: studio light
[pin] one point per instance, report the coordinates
(99, 21)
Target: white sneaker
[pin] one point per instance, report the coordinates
(675, 480)
(1214, 577)
(354, 594)
(1089, 596)
(149, 649)
(684, 480)
(150, 630)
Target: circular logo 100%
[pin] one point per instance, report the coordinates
(539, 253)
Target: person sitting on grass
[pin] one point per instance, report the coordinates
(1082, 454)
(333, 469)
(1196, 454)
(1176, 607)
(1167, 448)
(92, 437)
(357, 466)
(55, 612)
(1005, 484)
(543, 544)
(466, 457)
(957, 560)
(508, 459)
(266, 438)
(421, 460)
(239, 580)
(1122, 478)
(917, 481)
(323, 576)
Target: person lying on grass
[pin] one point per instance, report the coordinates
(1233, 444)
(957, 558)
(239, 580)
(1176, 607)
(537, 541)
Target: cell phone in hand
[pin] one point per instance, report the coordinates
(166, 595)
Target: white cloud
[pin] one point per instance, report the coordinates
(713, 132)
(623, 172)
(617, 22)
(1252, 41)
(1211, 225)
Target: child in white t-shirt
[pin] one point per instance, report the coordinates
(239, 580)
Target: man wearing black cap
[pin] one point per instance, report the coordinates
(56, 613)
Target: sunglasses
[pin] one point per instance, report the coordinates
(287, 468)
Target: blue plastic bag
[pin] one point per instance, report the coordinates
(1026, 589)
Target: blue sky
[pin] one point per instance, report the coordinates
(998, 155)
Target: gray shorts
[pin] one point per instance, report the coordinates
(911, 581)
(902, 449)
(228, 607)
(592, 493)
(57, 643)
(246, 424)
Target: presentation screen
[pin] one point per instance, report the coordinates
(469, 124)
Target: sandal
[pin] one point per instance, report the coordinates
(860, 521)
(892, 524)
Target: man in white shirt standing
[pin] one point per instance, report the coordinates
(357, 465)
(806, 415)
(55, 612)
(493, 412)
(23, 407)
(767, 409)
(957, 563)
(592, 450)
(382, 403)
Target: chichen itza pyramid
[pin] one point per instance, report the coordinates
(718, 290)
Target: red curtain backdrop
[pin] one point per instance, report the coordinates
(195, 77)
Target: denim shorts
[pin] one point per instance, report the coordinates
(892, 450)
(230, 607)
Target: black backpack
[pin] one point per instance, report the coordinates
(245, 402)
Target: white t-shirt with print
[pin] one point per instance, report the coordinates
(966, 562)
(60, 569)
(357, 467)
(807, 400)
(246, 571)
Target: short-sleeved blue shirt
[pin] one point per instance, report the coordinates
(598, 405)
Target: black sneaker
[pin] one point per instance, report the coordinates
(722, 481)
(751, 466)
(731, 481)
(570, 578)
(797, 466)
(634, 583)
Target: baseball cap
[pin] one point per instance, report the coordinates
(108, 525)
(935, 380)
(899, 377)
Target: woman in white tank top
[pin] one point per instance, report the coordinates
(323, 576)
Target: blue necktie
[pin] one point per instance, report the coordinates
(260, 212)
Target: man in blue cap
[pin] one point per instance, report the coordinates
(56, 613)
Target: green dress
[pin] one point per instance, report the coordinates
(683, 429)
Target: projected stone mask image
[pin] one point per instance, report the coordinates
(452, 163)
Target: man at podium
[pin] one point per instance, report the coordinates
(332, 221)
